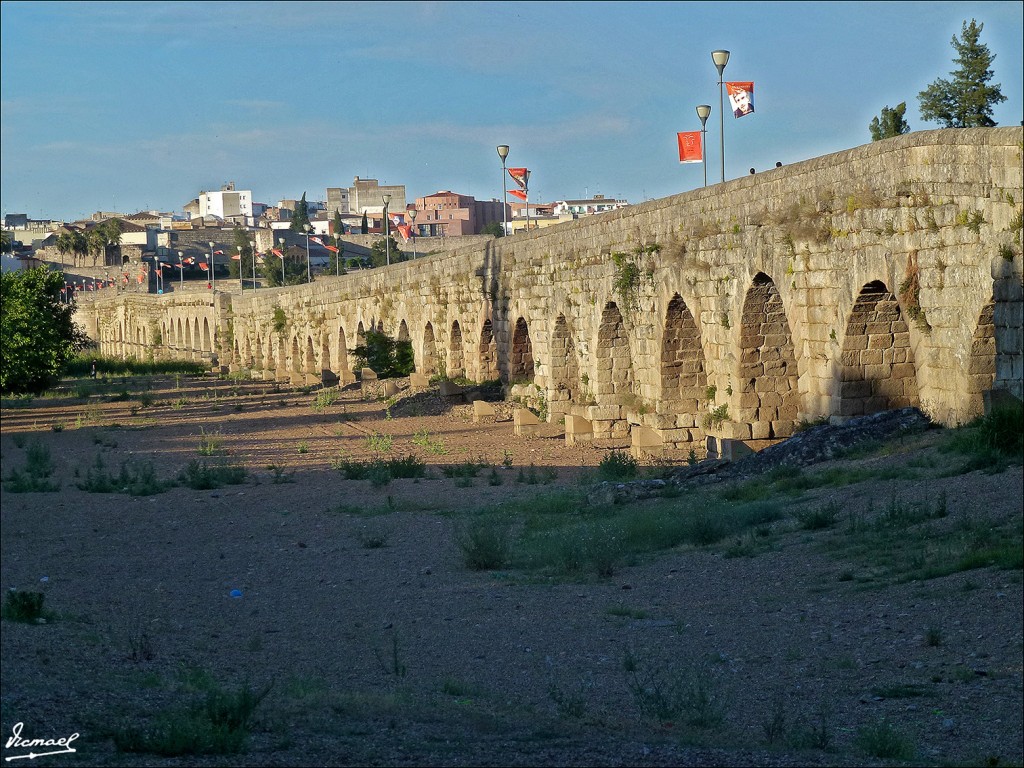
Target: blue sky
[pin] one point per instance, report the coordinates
(135, 106)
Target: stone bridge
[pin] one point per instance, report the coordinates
(882, 276)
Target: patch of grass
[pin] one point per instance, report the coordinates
(325, 398)
(818, 518)
(35, 477)
(669, 695)
(881, 739)
(468, 468)
(432, 445)
(135, 479)
(24, 606)
(380, 471)
(280, 474)
(992, 442)
(485, 543)
(203, 475)
(379, 442)
(210, 445)
(376, 538)
(617, 465)
(217, 726)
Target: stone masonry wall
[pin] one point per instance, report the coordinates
(884, 275)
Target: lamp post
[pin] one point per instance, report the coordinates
(254, 255)
(526, 190)
(280, 241)
(307, 229)
(387, 228)
(241, 285)
(181, 266)
(159, 277)
(503, 153)
(213, 272)
(721, 58)
(412, 228)
(703, 111)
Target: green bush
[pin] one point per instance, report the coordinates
(485, 544)
(202, 475)
(22, 605)
(387, 357)
(617, 465)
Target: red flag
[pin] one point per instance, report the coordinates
(397, 219)
(204, 266)
(332, 249)
(518, 193)
(236, 257)
(741, 98)
(218, 253)
(141, 278)
(126, 279)
(277, 253)
(518, 176)
(317, 240)
(405, 231)
(689, 147)
(190, 260)
(159, 272)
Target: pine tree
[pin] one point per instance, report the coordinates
(366, 226)
(301, 216)
(891, 123)
(967, 100)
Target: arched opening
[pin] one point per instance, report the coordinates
(197, 343)
(257, 355)
(565, 369)
(296, 356)
(342, 347)
(403, 331)
(429, 366)
(456, 360)
(488, 358)
(877, 361)
(360, 335)
(683, 378)
(521, 367)
(207, 342)
(309, 364)
(768, 374)
(981, 368)
(188, 336)
(614, 361)
(325, 355)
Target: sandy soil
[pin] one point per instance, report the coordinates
(400, 655)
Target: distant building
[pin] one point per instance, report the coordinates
(588, 207)
(337, 200)
(449, 214)
(229, 204)
(366, 195)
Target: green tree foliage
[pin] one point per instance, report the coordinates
(493, 228)
(379, 252)
(386, 356)
(294, 268)
(72, 241)
(366, 224)
(301, 216)
(891, 123)
(967, 100)
(241, 245)
(337, 265)
(338, 227)
(6, 241)
(37, 334)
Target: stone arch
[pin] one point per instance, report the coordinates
(342, 347)
(257, 354)
(429, 366)
(565, 369)
(325, 353)
(520, 364)
(296, 356)
(614, 380)
(181, 340)
(188, 336)
(769, 396)
(309, 361)
(403, 331)
(456, 359)
(207, 340)
(981, 366)
(360, 334)
(196, 339)
(488, 358)
(683, 376)
(877, 361)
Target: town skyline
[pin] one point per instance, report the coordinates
(141, 106)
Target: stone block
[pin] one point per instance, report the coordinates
(450, 389)
(418, 381)
(524, 422)
(329, 378)
(482, 410)
(578, 429)
(602, 412)
(390, 388)
(645, 437)
(367, 374)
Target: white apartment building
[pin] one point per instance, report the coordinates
(595, 204)
(226, 203)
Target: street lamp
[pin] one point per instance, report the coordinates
(254, 255)
(213, 273)
(721, 58)
(280, 241)
(526, 191)
(703, 111)
(503, 153)
(412, 217)
(181, 266)
(241, 285)
(307, 229)
(387, 228)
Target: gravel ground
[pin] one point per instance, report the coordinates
(400, 655)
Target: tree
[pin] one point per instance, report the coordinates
(338, 227)
(72, 241)
(294, 268)
(6, 241)
(366, 224)
(891, 124)
(493, 228)
(241, 245)
(301, 216)
(37, 334)
(387, 357)
(337, 265)
(379, 252)
(966, 101)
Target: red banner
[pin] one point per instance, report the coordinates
(689, 147)
(519, 176)
(741, 98)
(518, 193)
